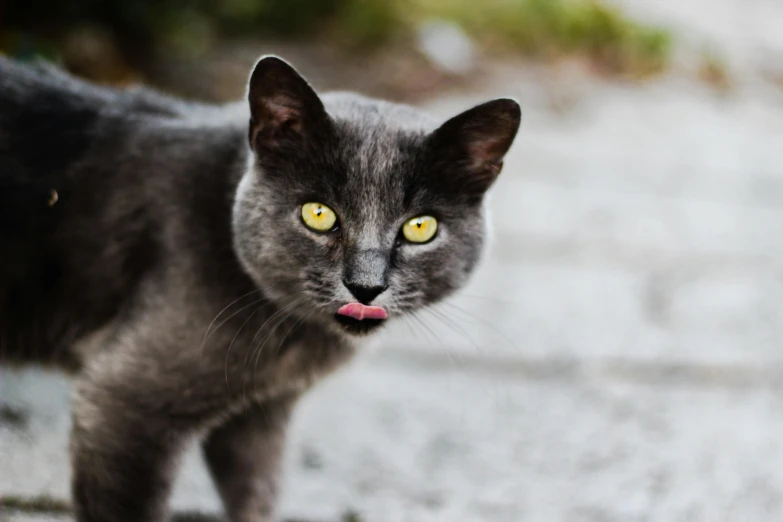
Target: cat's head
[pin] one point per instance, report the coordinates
(353, 210)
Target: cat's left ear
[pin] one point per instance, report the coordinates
(476, 141)
(284, 109)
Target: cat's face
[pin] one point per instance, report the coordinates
(354, 210)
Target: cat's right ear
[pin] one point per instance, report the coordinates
(284, 109)
(474, 143)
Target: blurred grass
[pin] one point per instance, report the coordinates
(130, 34)
(549, 29)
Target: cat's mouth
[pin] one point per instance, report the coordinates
(358, 318)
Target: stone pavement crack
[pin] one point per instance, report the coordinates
(51, 506)
(656, 373)
(40, 504)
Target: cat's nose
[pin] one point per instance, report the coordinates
(364, 294)
(366, 274)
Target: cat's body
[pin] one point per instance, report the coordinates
(145, 245)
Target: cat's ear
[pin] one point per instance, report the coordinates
(474, 143)
(284, 109)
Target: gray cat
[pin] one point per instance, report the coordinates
(200, 273)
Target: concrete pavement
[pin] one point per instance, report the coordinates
(617, 358)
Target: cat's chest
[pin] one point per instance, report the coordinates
(305, 362)
(283, 367)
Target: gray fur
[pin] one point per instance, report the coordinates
(181, 281)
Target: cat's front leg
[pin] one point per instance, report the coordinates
(244, 457)
(123, 457)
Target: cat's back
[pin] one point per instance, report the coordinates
(77, 233)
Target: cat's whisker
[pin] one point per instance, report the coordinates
(280, 321)
(409, 323)
(486, 323)
(266, 321)
(409, 320)
(252, 351)
(209, 328)
(427, 328)
(454, 361)
(258, 301)
(404, 302)
(259, 350)
(486, 298)
(298, 322)
(228, 352)
(453, 324)
(257, 290)
(206, 334)
(262, 301)
(406, 322)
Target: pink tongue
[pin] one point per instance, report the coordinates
(360, 311)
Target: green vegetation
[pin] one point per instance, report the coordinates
(549, 29)
(543, 29)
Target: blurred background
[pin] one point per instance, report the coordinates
(618, 356)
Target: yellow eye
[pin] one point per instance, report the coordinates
(318, 216)
(420, 229)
